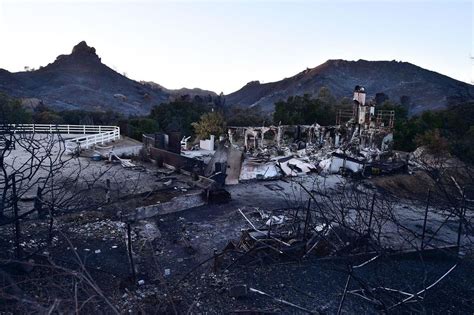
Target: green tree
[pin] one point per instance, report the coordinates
(238, 116)
(43, 115)
(464, 146)
(82, 117)
(12, 112)
(136, 127)
(345, 103)
(305, 110)
(325, 96)
(48, 117)
(210, 124)
(433, 141)
(178, 115)
(451, 129)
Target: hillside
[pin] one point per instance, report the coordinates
(180, 92)
(81, 81)
(427, 90)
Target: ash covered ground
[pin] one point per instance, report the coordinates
(275, 246)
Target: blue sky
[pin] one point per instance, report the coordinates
(221, 45)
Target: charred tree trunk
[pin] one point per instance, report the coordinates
(130, 252)
(17, 219)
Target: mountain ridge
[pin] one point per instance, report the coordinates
(80, 80)
(426, 89)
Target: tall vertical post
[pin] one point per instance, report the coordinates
(255, 136)
(130, 252)
(38, 204)
(461, 219)
(341, 303)
(424, 220)
(3, 197)
(371, 213)
(279, 136)
(215, 265)
(51, 225)
(17, 219)
(245, 139)
(307, 219)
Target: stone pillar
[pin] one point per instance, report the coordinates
(279, 136)
(245, 139)
(255, 139)
(231, 138)
(336, 140)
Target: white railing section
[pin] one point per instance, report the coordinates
(92, 134)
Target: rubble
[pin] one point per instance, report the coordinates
(294, 235)
(360, 143)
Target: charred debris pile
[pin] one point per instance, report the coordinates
(360, 143)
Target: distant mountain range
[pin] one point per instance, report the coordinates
(81, 81)
(426, 90)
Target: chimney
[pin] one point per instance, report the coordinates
(359, 95)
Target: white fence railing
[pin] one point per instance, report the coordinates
(93, 134)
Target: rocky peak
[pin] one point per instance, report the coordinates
(253, 83)
(81, 53)
(83, 49)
